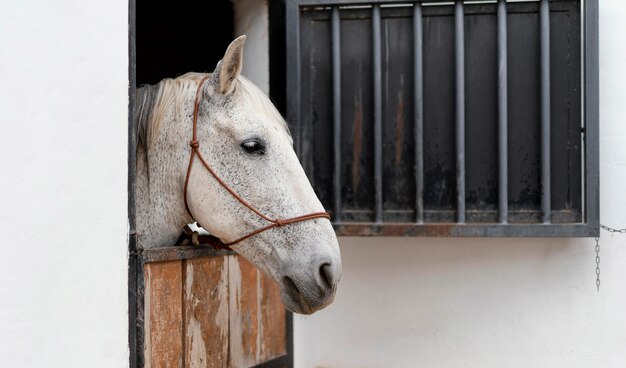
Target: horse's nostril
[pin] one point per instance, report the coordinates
(290, 286)
(327, 275)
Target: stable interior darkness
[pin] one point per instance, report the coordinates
(176, 38)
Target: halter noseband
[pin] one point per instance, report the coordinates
(195, 151)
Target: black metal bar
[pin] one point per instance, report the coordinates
(135, 286)
(132, 129)
(459, 42)
(139, 321)
(133, 292)
(418, 94)
(544, 18)
(503, 186)
(336, 54)
(592, 118)
(289, 338)
(378, 114)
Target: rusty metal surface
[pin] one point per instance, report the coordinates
(465, 230)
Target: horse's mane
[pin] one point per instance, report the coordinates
(153, 101)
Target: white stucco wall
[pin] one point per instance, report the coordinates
(445, 302)
(63, 175)
(251, 19)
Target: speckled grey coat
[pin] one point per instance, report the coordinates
(303, 258)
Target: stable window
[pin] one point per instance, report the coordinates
(466, 118)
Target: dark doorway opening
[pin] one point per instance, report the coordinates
(176, 38)
(167, 40)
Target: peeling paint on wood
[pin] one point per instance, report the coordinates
(243, 316)
(205, 312)
(257, 318)
(195, 351)
(273, 331)
(212, 312)
(235, 338)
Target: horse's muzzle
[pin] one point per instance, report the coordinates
(306, 292)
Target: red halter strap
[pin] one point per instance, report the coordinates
(195, 151)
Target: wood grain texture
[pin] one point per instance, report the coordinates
(211, 312)
(257, 316)
(238, 323)
(274, 318)
(205, 312)
(163, 315)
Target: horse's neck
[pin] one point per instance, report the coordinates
(160, 208)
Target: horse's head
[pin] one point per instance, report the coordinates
(247, 143)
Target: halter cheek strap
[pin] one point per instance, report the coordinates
(195, 151)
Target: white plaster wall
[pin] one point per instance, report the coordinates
(445, 302)
(63, 175)
(251, 19)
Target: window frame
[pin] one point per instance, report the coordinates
(588, 227)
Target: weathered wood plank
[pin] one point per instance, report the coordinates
(163, 315)
(206, 312)
(243, 322)
(274, 330)
(211, 312)
(257, 316)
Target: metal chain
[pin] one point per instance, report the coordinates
(611, 230)
(598, 263)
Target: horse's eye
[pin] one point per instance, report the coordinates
(253, 147)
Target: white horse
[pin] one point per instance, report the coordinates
(246, 142)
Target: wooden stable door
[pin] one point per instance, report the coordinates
(210, 310)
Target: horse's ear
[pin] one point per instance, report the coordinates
(229, 68)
